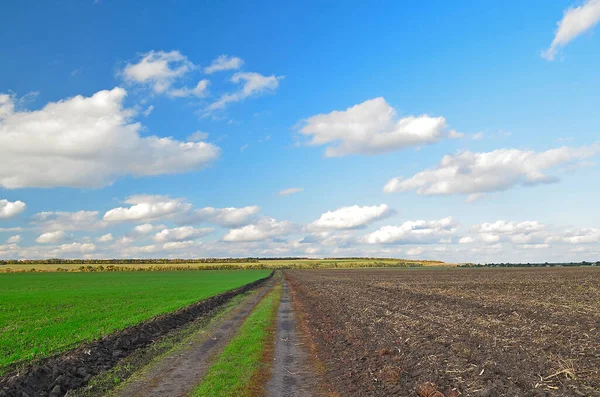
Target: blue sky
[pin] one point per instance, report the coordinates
(461, 132)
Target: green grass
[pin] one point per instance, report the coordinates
(241, 360)
(45, 313)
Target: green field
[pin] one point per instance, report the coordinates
(46, 313)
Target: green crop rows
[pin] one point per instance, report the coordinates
(46, 313)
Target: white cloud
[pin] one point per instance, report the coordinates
(145, 207)
(518, 233)
(254, 84)
(575, 21)
(16, 239)
(198, 136)
(472, 173)
(413, 232)
(80, 220)
(226, 217)
(178, 245)
(244, 147)
(159, 69)
(372, 127)
(181, 234)
(144, 228)
(265, 228)
(51, 237)
(8, 209)
(75, 247)
(582, 236)
(105, 238)
(292, 190)
(200, 90)
(415, 251)
(353, 217)
(88, 142)
(224, 62)
(148, 110)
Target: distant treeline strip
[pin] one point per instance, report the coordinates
(55, 261)
(223, 266)
(545, 264)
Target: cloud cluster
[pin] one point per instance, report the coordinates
(88, 142)
(372, 127)
(265, 228)
(224, 62)
(413, 232)
(61, 220)
(575, 21)
(9, 209)
(181, 234)
(476, 173)
(253, 84)
(158, 69)
(226, 217)
(145, 208)
(353, 217)
(51, 237)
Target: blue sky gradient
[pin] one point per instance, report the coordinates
(477, 64)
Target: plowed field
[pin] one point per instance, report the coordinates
(469, 332)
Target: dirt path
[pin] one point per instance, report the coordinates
(291, 374)
(179, 372)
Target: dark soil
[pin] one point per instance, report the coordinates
(468, 332)
(55, 376)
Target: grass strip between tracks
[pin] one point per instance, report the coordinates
(242, 365)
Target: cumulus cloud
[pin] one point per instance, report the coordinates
(353, 217)
(525, 232)
(580, 236)
(179, 245)
(292, 190)
(75, 247)
(411, 232)
(146, 207)
(253, 84)
(8, 209)
(475, 173)
(59, 220)
(181, 234)
(158, 69)
(265, 228)
(226, 217)
(51, 237)
(16, 239)
(200, 90)
(88, 142)
(575, 21)
(105, 238)
(145, 228)
(372, 127)
(224, 62)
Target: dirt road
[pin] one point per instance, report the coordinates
(180, 371)
(292, 375)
